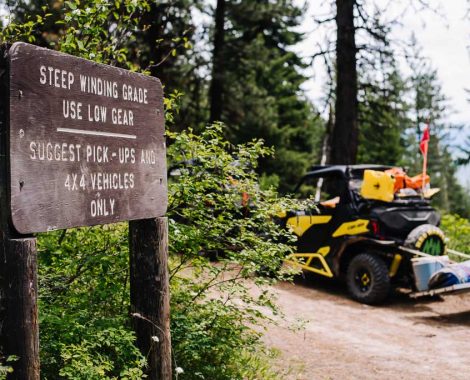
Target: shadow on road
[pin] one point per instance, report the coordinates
(334, 289)
(461, 318)
(321, 284)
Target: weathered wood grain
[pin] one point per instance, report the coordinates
(150, 294)
(20, 332)
(54, 173)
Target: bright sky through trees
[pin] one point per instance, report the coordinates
(444, 36)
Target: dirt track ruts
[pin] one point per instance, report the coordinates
(342, 339)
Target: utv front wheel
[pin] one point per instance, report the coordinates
(367, 279)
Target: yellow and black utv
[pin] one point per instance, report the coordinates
(362, 231)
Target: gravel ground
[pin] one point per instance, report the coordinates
(342, 339)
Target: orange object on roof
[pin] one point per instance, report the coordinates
(416, 182)
(400, 178)
(331, 203)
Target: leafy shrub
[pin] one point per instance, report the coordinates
(83, 302)
(218, 209)
(216, 206)
(98, 357)
(5, 366)
(457, 230)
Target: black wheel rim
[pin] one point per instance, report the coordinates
(363, 280)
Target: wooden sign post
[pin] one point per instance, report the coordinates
(149, 276)
(19, 317)
(82, 144)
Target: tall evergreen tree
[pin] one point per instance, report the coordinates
(383, 119)
(345, 137)
(216, 90)
(362, 30)
(430, 104)
(167, 44)
(464, 149)
(383, 110)
(166, 26)
(360, 36)
(262, 96)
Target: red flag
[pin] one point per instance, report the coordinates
(423, 145)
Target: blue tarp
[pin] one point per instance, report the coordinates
(452, 274)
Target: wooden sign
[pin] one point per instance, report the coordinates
(86, 142)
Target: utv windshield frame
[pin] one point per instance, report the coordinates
(344, 173)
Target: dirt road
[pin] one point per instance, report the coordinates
(345, 340)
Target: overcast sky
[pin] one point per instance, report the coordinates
(444, 38)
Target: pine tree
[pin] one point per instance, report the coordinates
(429, 105)
(262, 96)
(383, 112)
(217, 83)
(345, 137)
(464, 150)
(165, 44)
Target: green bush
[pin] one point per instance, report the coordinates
(5, 366)
(457, 230)
(108, 355)
(83, 303)
(218, 209)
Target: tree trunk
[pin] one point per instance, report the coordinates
(344, 141)
(325, 152)
(217, 84)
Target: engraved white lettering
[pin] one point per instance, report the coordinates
(43, 78)
(126, 155)
(41, 151)
(121, 116)
(97, 153)
(56, 78)
(98, 86)
(97, 113)
(102, 207)
(72, 109)
(134, 94)
(148, 156)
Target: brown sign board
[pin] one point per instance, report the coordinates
(86, 142)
